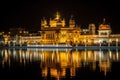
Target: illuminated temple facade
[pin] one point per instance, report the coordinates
(56, 32)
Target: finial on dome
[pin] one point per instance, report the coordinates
(71, 16)
(57, 15)
(104, 20)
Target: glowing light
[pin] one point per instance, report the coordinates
(57, 15)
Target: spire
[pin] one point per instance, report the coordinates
(71, 21)
(43, 22)
(71, 17)
(57, 15)
(104, 20)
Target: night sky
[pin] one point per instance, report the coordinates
(28, 14)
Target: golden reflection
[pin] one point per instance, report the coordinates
(72, 71)
(63, 72)
(117, 54)
(54, 72)
(20, 55)
(57, 62)
(105, 66)
(44, 72)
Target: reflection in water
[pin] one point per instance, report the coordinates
(58, 63)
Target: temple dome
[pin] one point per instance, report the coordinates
(104, 27)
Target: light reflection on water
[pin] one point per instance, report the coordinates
(58, 63)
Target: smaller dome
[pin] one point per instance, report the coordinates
(104, 27)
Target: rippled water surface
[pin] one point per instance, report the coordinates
(59, 64)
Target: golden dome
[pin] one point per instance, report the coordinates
(104, 27)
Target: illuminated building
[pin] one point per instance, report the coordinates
(18, 31)
(104, 30)
(1, 38)
(57, 32)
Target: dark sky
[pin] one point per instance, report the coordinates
(28, 14)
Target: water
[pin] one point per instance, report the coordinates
(59, 64)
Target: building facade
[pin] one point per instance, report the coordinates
(56, 32)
